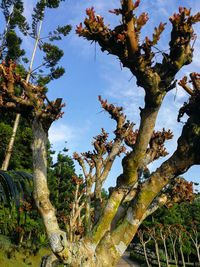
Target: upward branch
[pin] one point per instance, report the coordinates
(127, 18)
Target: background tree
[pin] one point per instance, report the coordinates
(62, 185)
(163, 236)
(141, 234)
(194, 235)
(52, 52)
(179, 216)
(181, 233)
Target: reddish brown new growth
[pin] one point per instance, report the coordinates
(184, 18)
(195, 80)
(130, 139)
(182, 25)
(31, 97)
(181, 191)
(123, 38)
(123, 126)
(192, 107)
(140, 22)
(156, 35)
(93, 24)
(136, 4)
(101, 145)
(156, 144)
(114, 112)
(116, 11)
(183, 84)
(78, 158)
(77, 180)
(122, 150)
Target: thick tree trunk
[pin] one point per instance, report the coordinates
(49, 261)
(88, 209)
(72, 253)
(41, 191)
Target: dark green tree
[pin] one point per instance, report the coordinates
(61, 183)
(10, 45)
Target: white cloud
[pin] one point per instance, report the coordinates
(59, 133)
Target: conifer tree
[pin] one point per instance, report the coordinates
(52, 52)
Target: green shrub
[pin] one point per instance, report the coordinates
(139, 258)
(5, 242)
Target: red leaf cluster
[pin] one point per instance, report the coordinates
(116, 11)
(140, 22)
(182, 190)
(136, 4)
(156, 144)
(156, 35)
(182, 25)
(94, 24)
(130, 139)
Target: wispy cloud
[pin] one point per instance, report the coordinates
(60, 133)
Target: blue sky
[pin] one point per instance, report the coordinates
(90, 73)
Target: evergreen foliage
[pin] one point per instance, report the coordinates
(13, 43)
(61, 184)
(21, 156)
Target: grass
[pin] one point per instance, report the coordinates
(19, 258)
(13, 256)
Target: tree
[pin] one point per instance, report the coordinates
(163, 236)
(155, 236)
(179, 216)
(103, 245)
(60, 181)
(52, 52)
(67, 191)
(141, 235)
(173, 235)
(10, 45)
(181, 233)
(194, 235)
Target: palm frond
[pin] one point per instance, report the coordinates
(13, 185)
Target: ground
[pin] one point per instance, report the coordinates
(125, 261)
